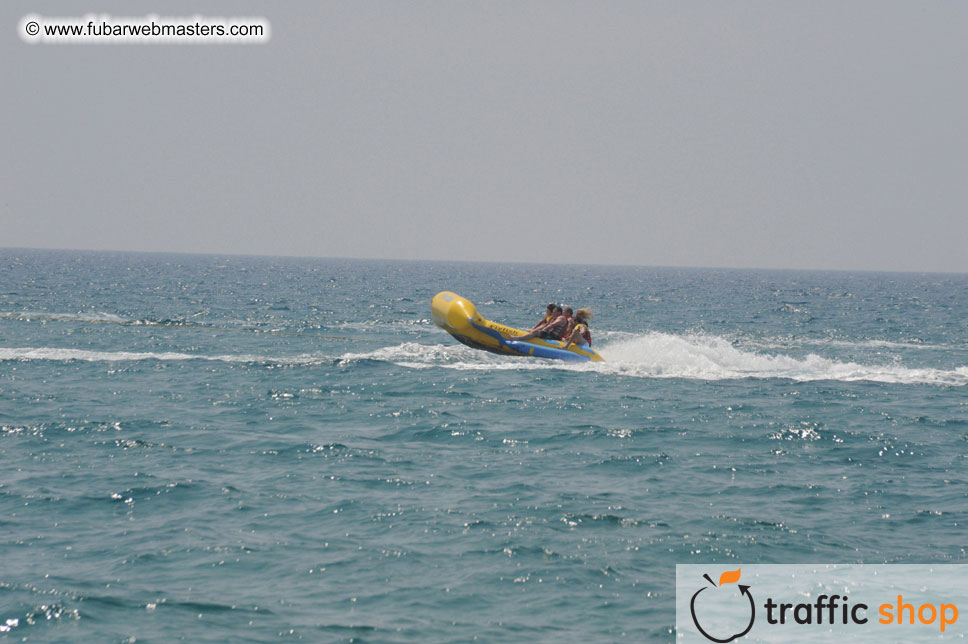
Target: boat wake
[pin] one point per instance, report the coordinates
(709, 357)
(26, 354)
(650, 355)
(664, 355)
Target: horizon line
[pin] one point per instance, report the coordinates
(481, 261)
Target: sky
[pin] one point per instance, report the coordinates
(812, 135)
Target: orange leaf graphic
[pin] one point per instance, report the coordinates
(729, 577)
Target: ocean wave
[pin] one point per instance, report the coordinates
(64, 355)
(652, 355)
(665, 355)
(370, 325)
(235, 325)
(417, 356)
(855, 345)
(710, 357)
(66, 317)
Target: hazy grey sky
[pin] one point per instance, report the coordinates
(741, 134)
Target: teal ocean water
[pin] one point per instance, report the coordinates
(254, 449)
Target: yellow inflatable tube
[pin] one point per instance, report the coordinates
(459, 317)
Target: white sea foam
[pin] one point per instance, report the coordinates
(652, 355)
(369, 325)
(57, 354)
(855, 345)
(66, 317)
(416, 355)
(664, 355)
(709, 357)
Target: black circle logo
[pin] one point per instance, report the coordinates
(728, 577)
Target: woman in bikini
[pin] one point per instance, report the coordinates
(580, 335)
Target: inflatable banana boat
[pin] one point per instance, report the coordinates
(459, 317)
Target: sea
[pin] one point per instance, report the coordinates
(251, 449)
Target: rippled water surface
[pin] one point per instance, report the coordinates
(249, 449)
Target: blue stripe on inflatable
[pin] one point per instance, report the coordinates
(528, 349)
(538, 351)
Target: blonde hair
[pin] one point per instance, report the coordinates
(584, 314)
